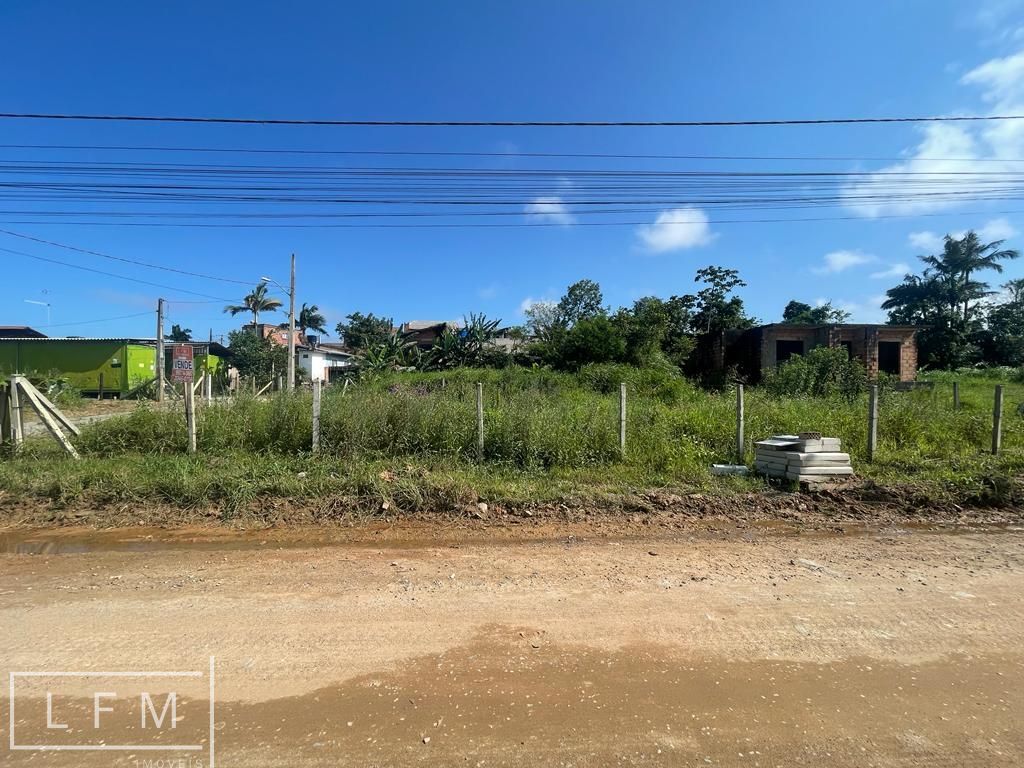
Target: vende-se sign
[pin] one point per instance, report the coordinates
(181, 363)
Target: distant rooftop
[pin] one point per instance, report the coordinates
(422, 325)
(20, 332)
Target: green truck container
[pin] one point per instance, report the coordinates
(123, 364)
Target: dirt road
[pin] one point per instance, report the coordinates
(759, 649)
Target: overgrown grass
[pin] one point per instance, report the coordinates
(410, 440)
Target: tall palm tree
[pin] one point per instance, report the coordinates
(311, 319)
(960, 259)
(257, 301)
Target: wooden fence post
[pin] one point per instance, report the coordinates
(956, 395)
(317, 388)
(740, 446)
(100, 395)
(479, 421)
(622, 419)
(190, 417)
(997, 421)
(208, 387)
(48, 413)
(872, 421)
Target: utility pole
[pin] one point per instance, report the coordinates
(159, 350)
(291, 323)
(291, 330)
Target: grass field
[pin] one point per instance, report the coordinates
(408, 441)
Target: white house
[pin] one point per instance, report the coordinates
(325, 361)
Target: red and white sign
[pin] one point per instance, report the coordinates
(181, 363)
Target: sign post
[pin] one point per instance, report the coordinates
(181, 364)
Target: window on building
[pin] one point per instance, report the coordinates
(785, 349)
(848, 346)
(889, 357)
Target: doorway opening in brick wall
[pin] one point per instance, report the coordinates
(889, 357)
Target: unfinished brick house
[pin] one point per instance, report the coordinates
(890, 349)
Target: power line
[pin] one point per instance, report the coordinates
(460, 225)
(110, 274)
(422, 153)
(99, 320)
(127, 261)
(508, 123)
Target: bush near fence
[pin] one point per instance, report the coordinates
(541, 419)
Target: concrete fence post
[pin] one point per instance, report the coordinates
(15, 414)
(190, 417)
(622, 419)
(740, 445)
(208, 387)
(872, 422)
(956, 395)
(317, 391)
(997, 421)
(479, 421)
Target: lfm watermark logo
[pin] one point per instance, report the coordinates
(168, 716)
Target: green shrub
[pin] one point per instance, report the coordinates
(544, 420)
(822, 372)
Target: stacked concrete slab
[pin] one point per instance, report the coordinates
(807, 457)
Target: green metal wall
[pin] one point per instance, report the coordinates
(141, 366)
(124, 366)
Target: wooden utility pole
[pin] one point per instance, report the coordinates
(740, 448)
(997, 421)
(479, 421)
(872, 421)
(291, 329)
(159, 350)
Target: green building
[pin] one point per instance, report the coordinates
(118, 366)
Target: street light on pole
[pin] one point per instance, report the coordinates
(291, 322)
(41, 304)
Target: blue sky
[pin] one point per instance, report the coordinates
(586, 60)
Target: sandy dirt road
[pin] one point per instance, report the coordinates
(897, 648)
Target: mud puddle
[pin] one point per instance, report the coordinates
(512, 698)
(413, 534)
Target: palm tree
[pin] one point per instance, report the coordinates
(255, 302)
(311, 319)
(959, 260)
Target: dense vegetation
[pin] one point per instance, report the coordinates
(409, 439)
(963, 320)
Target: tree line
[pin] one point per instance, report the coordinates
(963, 321)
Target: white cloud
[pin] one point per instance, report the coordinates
(488, 291)
(676, 230)
(840, 261)
(1001, 79)
(529, 302)
(925, 241)
(897, 270)
(550, 209)
(997, 229)
(994, 229)
(941, 151)
(944, 146)
(868, 310)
